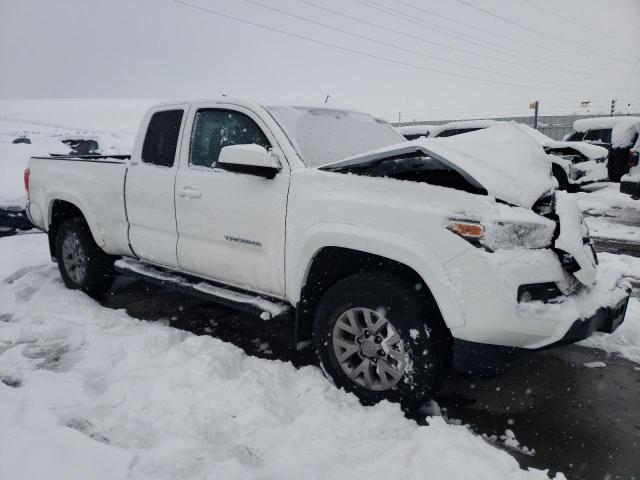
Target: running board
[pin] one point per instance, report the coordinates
(265, 308)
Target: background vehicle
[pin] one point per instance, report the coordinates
(598, 131)
(464, 126)
(380, 274)
(624, 153)
(573, 164)
(414, 132)
(630, 182)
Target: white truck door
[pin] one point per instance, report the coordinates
(149, 188)
(231, 226)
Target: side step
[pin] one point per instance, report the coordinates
(261, 306)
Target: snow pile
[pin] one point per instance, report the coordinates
(97, 394)
(598, 123)
(625, 134)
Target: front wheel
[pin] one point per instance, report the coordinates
(377, 337)
(561, 177)
(82, 263)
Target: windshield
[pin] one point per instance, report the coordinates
(323, 135)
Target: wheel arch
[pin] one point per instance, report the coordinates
(330, 263)
(59, 210)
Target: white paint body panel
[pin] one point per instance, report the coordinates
(262, 234)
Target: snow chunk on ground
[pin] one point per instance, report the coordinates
(595, 365)
(134, 399)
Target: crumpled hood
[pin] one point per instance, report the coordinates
(503, 160)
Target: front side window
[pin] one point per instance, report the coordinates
(161, 140)
(215, 129)
(575, 137)
(602, 135)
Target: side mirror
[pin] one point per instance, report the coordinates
(251, 159)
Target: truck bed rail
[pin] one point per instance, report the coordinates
(115, 158)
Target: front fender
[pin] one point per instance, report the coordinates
(412, 252)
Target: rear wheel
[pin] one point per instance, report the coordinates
(82, 264)
(380, 339)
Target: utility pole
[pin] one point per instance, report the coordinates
(535, 106)
(399, 117)
(613, 106)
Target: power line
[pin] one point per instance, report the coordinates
(442, 45)
(464, 37)
(391, 45)
(571, 21)
(358, 52)
(532, 29)
(487, 32)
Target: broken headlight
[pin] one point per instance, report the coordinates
(505, 235)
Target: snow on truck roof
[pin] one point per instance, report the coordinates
(598, 123)
(626, 133)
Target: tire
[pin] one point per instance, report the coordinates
(561, 177)
(82, 263)
(340, 319)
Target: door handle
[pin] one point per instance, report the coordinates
(188, 191)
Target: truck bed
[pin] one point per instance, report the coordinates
(93, 183)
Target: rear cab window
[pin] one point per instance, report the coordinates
(214, 129)
(161, 139)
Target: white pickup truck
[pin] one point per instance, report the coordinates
(381, 252)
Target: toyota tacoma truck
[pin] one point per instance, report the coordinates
(380, 253)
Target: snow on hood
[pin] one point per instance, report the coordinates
(592, 152)
(625, 133)
(585, 124)
(502, 159)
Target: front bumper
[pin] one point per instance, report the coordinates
(630, 185)
(486, 285)
(605, 320)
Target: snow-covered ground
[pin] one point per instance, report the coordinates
(609, 213)
(89, 392)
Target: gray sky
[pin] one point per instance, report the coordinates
(563, 51)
